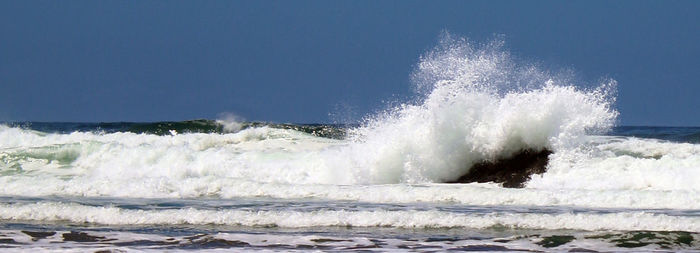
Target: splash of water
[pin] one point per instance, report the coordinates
(231, 122)
(477, 103)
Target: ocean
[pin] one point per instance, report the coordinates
(393, 181)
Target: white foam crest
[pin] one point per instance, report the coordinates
(377, 218)
(12, 137)
(264, 162)
(624, 164)
(87, 160)
(231, 188)
(478, 105)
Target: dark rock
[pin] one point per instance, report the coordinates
(7, 241)
(322, 240)
(36, 235)
(82, 237)
(555, 241)
(440, 239)
(512, 172)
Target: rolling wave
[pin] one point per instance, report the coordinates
(475, 106)
(334, 131)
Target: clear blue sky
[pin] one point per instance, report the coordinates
(299, 61)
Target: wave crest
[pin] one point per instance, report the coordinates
(478, 105)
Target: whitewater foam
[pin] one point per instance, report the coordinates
(77, 213)
(624, 164)
(475, 104)
(614, 172)
(281, 163)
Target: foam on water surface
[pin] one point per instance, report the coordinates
(342, 240)
(264, 162)
(398, 217)
(474, 103)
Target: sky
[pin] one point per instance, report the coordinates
(322, 61)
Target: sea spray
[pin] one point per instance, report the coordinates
(231, 122)
(477, 104)
(205, 184)
(228, 183)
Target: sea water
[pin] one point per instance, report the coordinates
(378, 185)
